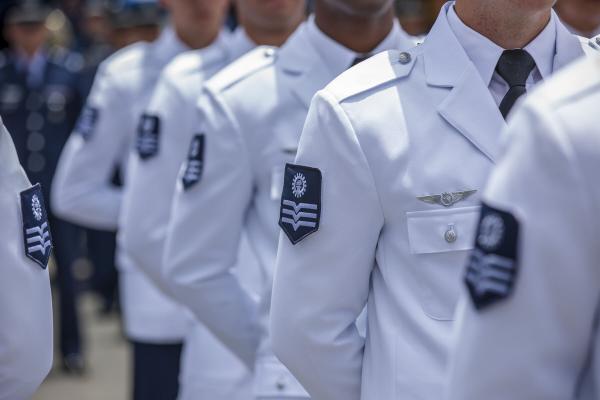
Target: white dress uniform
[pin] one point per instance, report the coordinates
(251, 120)
(25, 300)
(534, 333)
(209, 370)
(82, 190)
(385, 210)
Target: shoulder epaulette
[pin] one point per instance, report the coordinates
(243, 67)
(190, 61)
(570, 82)
(124, 58)
(376, 71)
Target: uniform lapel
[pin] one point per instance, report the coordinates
(471, 110)
(469, 106)
(301, 67)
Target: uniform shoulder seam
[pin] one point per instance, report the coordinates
(378, 70)
(125, 57)
(563, 88)
(243, 67)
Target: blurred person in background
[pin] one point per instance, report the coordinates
(40, 100)
(4, 7)
(413, 16)
(582, 17)
(209, 370)
(155, 324)
(110, 28)
(249, 122)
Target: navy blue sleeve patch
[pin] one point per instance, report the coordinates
(194, 164)
(147, 139)
(87, 122)
(36, 232)
(300, 202)
(492, 268)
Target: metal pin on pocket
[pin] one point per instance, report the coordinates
(450, 234)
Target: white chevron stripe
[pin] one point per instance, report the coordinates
(298, 224)
(37, 229)
(299, 206)
(299, 215)
(40, 247)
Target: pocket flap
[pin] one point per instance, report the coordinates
(440, 231)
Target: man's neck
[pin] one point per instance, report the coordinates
(343, 27)
(507, 25)
(195, 40)
(265, 37)
(584, 16)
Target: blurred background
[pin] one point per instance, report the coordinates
(91, 358)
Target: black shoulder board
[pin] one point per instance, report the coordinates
(195, 162)
(300, 211)
(147, 139)
(492, 268)
(36, 232)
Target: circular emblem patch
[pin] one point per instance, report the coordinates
(36, 207)
(491, 232)
(299, 185)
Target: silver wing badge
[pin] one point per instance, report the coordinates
(447, 199)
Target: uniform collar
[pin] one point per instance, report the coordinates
(168, 45)
(485, 54)
(239, 43)
(337, 57)
(217, 51)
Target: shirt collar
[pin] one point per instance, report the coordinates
(218, 51)
(168, 45)
(338, 57)
(485, 54)
(239, 43)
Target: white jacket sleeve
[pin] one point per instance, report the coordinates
(204, 234)
(322, 283)
(25, 302)
(152, 182)
(534, 344)
(82, 191)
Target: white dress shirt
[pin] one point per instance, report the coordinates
(485, 54)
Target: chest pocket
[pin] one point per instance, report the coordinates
(440, 241)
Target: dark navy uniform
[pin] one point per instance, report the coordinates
(40, 103)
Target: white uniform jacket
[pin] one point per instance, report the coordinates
(209, 370)
(83, 191)
(252, 117)
(541, 340)
(401, 141)
(25, 302)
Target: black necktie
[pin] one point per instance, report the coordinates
(514, 66)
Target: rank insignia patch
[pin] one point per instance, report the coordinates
(492, 268)
(300, 202)
(36, 232)
(147, 139)
(87, 122)
(194, 163)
